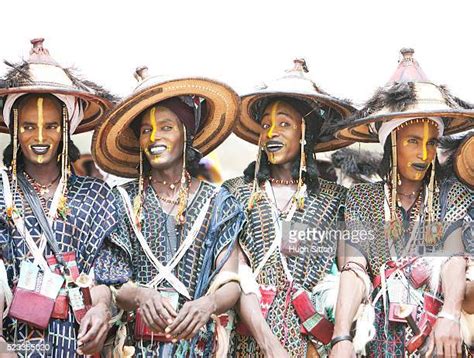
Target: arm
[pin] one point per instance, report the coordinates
(447, 333)
(250, 313)
(195, 314)
(95, 324)
(350, 296)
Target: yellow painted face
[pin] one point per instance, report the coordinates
(416, 149)
(281, 132)
(39, 123)
(161, 137)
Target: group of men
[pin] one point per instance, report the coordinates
(277, 263)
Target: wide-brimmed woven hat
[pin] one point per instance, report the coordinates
(408, 94)
(40, 73)
(464, 161)
(116, 148)
(295, 84)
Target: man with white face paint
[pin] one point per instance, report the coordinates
(411, 222)
(55, 222)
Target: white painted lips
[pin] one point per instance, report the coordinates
(158, 149)
(40, 149)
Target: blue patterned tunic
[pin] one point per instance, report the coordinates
(88, 225)
(219, 231)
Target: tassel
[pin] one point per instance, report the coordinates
(395, 226)
(184, 188)
(434, 228)
(138, 200)
(63, 210)
(256, 194)
(298, 197)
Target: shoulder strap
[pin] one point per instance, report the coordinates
(169, 276)
(33, 200)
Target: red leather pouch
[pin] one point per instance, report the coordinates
(31, 307)
(61, 306)
(313, 323)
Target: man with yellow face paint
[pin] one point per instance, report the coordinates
(415, 297)
(53, 223)
(285, 195)
(178, 233)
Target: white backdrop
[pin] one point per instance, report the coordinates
(351, 47)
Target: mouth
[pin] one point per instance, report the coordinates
(158, 149)
(421, 167)
(273, 146)
(40, 149)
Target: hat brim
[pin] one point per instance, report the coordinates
(116, 149)
(464, 154)
(78, 165)
(94, 110)
(249, 129)
(360, 130)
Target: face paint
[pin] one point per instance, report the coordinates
(153, 124)
(39, 104)
(273, 119)
(425, 140)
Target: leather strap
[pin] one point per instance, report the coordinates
(33, 200)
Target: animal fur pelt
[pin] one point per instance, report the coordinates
(18, 75)
(357, 164)
(396, 97)
(453, 101)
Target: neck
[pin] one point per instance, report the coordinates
(281, 171)
(410, 186)
(43, 173)
(169, 175)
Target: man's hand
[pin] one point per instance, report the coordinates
(93, 330)
(446, 337)
(343, 349)
(156, 311)
(192, 316)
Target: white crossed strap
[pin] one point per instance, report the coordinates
(19, 222)
(277, 223)
(166, 272)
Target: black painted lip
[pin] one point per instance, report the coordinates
(273, 146)
(420, 166)
(40, 149)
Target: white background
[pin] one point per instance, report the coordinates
(351, 47)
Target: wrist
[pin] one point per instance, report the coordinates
(212, 303)
(337, 339)
(453, 317)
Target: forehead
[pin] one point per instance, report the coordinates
(161, 114)
(281, 106)
(417, 129)
(31, 102)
